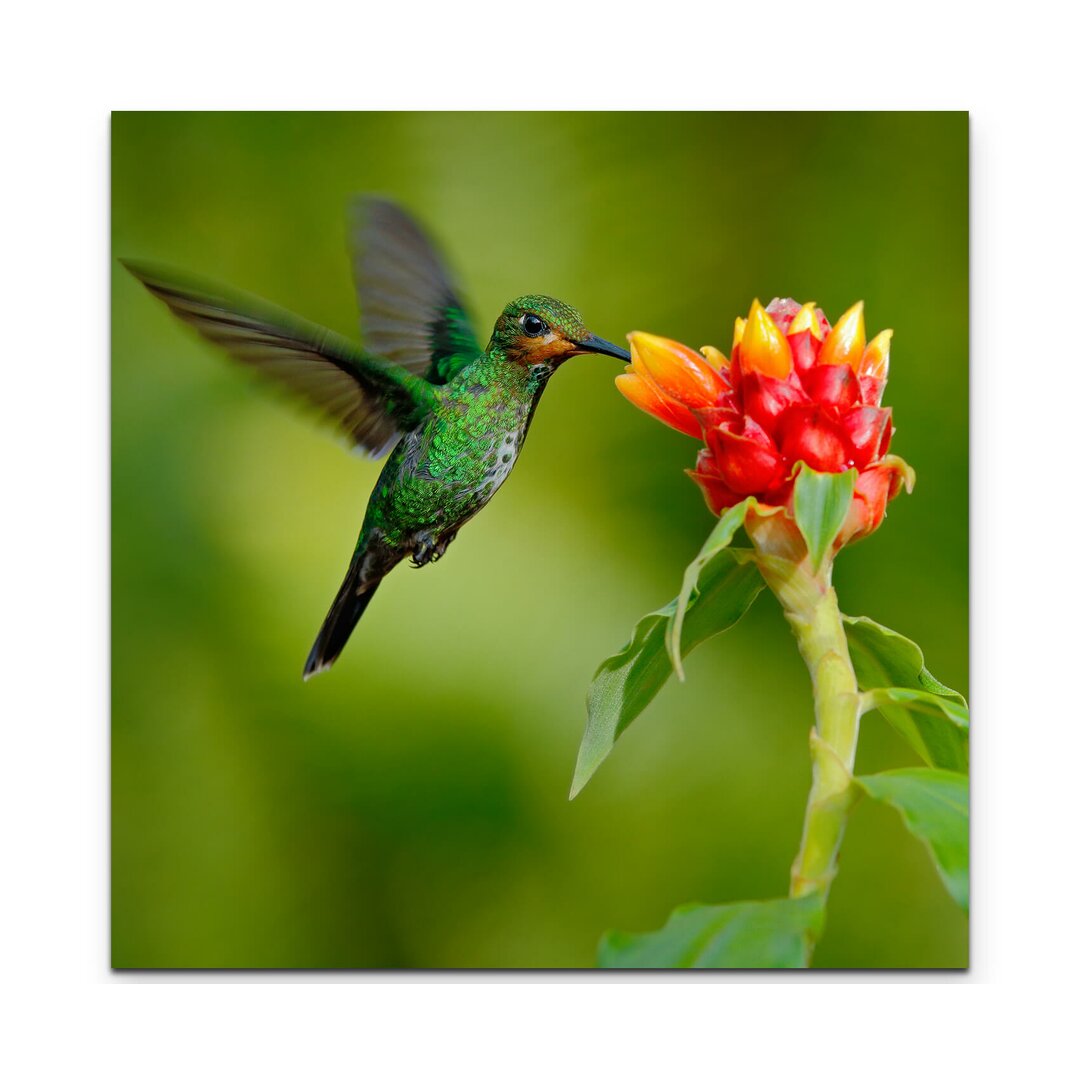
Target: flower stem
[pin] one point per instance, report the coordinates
(810, 605)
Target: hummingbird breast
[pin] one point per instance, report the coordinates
(445, 471)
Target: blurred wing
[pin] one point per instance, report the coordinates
(368, 399)
(409, 309)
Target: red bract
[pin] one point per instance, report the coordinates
(795, 390)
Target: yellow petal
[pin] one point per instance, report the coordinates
(846, 340)
(806, 319)
(715, 357)
(763, 348)
(740, 328)
(875, 360)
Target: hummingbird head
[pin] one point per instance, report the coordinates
(542, 330)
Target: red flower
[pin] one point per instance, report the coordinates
(795, 390)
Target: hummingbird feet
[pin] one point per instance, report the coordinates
(428, 549)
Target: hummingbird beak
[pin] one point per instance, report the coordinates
(595, 344)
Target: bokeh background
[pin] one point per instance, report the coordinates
(409, 809)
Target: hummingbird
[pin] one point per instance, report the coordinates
(451, 415)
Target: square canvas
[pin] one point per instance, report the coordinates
(331, 333)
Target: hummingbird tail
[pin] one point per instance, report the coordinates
(352, 599)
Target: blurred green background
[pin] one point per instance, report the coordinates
(409, 809)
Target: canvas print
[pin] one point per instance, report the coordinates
(669, 411)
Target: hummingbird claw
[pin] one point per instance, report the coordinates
(430, 550)
(424, 550)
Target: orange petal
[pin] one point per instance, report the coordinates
(806, 319)
(846, 340)
(763, 348)
(645, 396)
(638, 392)
(675, 370)
(875, 360)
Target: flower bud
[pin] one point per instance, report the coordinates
(763, 348)
(875, 358)
(796, 390)
(806, 319)
(675, 371)
(737, 336)
(847, 341)
(645, 396)
(715, 357)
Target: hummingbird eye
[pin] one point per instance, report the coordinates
(533, 325)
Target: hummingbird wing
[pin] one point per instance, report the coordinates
(409, 307)
(370, 400)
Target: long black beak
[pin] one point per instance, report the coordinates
(595, 344)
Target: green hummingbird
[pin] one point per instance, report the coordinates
(452, 415)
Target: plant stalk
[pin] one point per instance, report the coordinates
(811, 608)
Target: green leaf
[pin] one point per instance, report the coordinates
(821, 504)
(931, 718)
(753, 934)
(935, 727)
(626, 682)
(882, 657)
(724, 531)
(934, 806)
